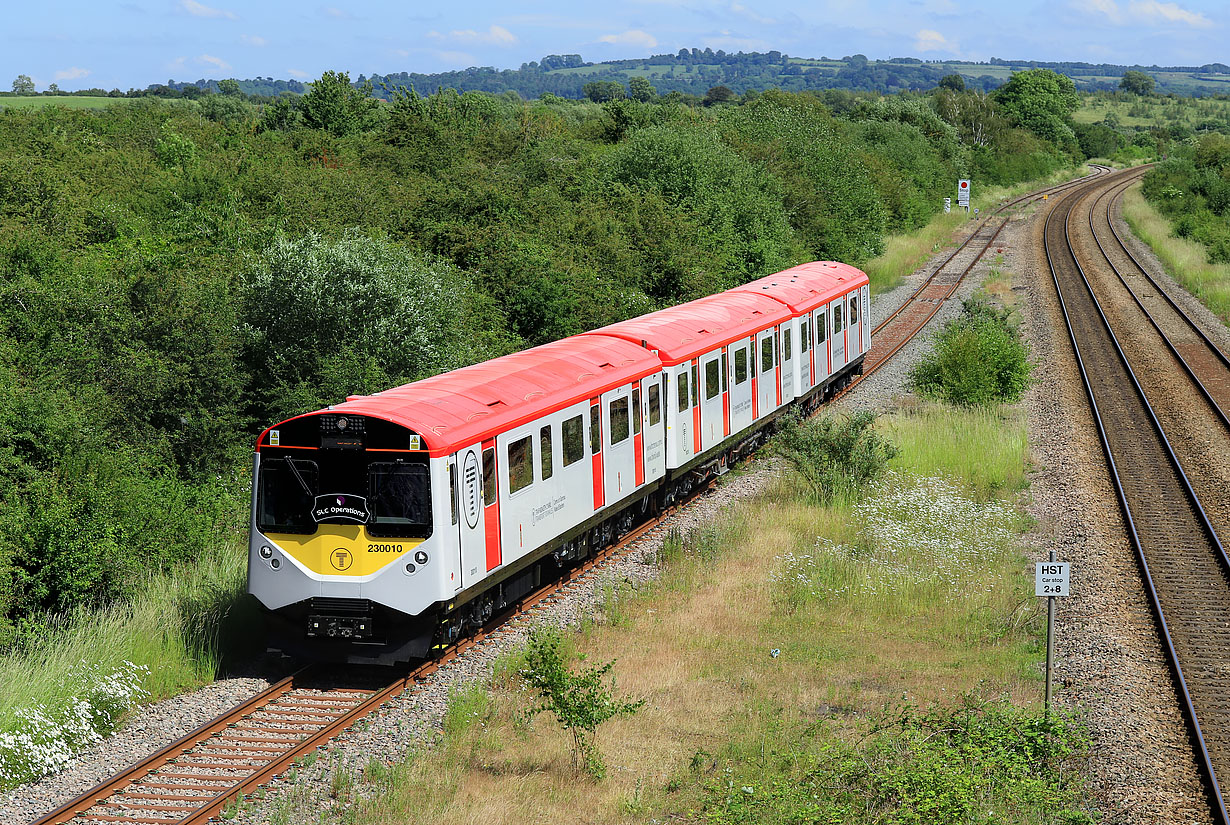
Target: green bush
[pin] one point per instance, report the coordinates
(837, 455)
(978, 359)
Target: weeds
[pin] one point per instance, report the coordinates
(580, 701)
(836, 455)
(979, 359)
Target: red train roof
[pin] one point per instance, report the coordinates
(807, 286)
(465, 406)
(683, 332)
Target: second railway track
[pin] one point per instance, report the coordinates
(1184, 567)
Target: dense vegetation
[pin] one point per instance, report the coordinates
(175, 274)
(979, 359)
(1192, 188)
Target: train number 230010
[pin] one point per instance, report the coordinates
(385, 548)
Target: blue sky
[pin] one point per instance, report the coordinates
(132, 44)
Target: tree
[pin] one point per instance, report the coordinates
(953, 82)
(1137, 83)
(718, 94)
(23, 85)
(230, 86)
(602, 91)
(337, 107)
(1043, 102)
(640, 89)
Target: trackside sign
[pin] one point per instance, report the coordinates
(1051, 578)
(963, 192)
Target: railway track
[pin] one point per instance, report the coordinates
(900, 327)
(1184, 566)
(197, 777)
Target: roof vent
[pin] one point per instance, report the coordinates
(496, 403)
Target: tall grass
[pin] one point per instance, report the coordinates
(985, 448)
(907, 252)
(174, 632)
(1186, 260)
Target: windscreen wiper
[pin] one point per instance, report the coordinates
(290, 462)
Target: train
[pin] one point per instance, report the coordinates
(386, 527)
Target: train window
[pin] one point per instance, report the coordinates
(546, 460)
(837, 327)
(713, 382)
(655, 404)
(288, 489)
(806, 328)
(788, 344)
(399, 500)
(636, 410)
(695, 383)
(595, 429)
(452, 489)
(520, 464)
(740, 365)
(683, 390)
(822, 326)
(489, 476)
(725, 369)
(619, 420)
(853, 310)
(766, 354)
(574, 440)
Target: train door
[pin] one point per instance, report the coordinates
(767, 387)
(711, 406)
(789, 363)
(854, 343)
(653, 400)
(681, 414)
(697, 431)
(491, 505)
(837, 334)
(595, 452)
(725, 392)
(638, 436)
(866, 316)
(807, 356)
(473, 531)
(824, 357)
(741, 385)
(619, 461)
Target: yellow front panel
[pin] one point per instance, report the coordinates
(343, 550)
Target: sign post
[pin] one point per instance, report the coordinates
(1051, 579)
(947, 205)
(963, 193)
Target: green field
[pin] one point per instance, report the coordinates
(1131, 111)
(67, 101)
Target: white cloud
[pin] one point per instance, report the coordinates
(334, 11)
(210, 60)
(632, 37)
(1107, 8)
(298, 73)
(929, 40)
(1169, 13)
(200, 10)
(72, 74)
(254, 40)
(496, 36)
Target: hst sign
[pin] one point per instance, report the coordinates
(1051, 578)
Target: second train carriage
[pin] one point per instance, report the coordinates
(388, 524)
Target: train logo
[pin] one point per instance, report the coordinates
(334, 507)
(472, 492)
(341, 559)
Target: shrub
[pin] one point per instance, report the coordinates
(979, 359)
(836, 455)
(580, 701)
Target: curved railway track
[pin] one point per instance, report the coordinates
(196, 777)
(1184, 568)
(903, 324)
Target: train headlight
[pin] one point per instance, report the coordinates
(342, 423)
(275, 563)
(410, 568)
(266, 551)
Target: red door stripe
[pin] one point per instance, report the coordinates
(491, 513)
(599, 485)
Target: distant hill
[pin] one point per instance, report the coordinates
(695, 71)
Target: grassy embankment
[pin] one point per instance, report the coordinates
(1134, 112)
(871, 660)
(1186, 260)
(906, 252)
(67, 101)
